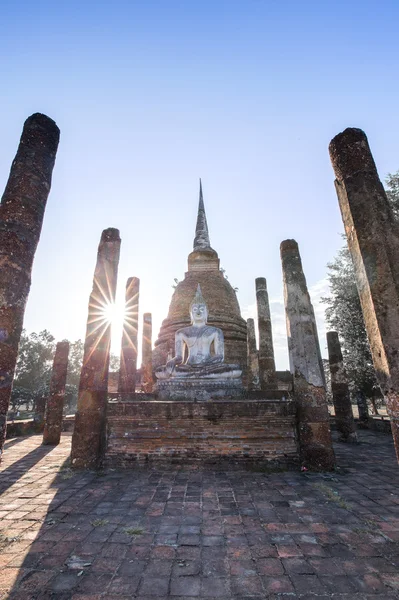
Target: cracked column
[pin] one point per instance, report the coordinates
(267, 367)
(146, 350)
(373, 240)
(252, 357)
(21, 217)
(128, 362)
(88, 441)
(363, 410)
(304, 353)
(340, 390)
(55, 401)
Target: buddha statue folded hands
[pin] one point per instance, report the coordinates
(199, 339)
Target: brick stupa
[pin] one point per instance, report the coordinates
(221, 299)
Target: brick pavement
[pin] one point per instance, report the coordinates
(188, 534)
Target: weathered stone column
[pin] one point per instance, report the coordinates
(39, 411)
(128, 362)
(252, 357)
(373, 240)
(146, 351)
(55, 401)
(267, 367)
(340, 390)
(88, 441)
(21, 216)
(303, 347)
(363, 409)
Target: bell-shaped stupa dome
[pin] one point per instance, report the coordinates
(221, 299)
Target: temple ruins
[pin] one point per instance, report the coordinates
(206, 392)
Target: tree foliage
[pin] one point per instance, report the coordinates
(35, 355)
(34, 366)
(392, 190)
(344, 315)
(344, 312)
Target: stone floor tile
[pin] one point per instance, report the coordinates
(297, 566)
(185, 586)
(183, 568)
(246, 586)
(215, 587)
(154, 586)
(277, 585)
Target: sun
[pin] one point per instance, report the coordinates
(114, 315)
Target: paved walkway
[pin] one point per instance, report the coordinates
(189, 534)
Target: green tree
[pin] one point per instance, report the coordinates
(33, 371)
(344, 315)
(392, 190)
(35, 355)
(75, 360)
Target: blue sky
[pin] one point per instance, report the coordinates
(151, 95)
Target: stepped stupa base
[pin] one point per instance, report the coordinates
(199, 389)
(229, 432)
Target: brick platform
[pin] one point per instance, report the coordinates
(191, 533)
(203, 432)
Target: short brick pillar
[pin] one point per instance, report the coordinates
(147, 381)
(252, 357)
(267, 367)
(340, 390)
(128, 362)
(55, 401)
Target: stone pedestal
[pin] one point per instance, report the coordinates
(373, 240)
(55, 401)
(339, 386)
(21, 216)
(88, 441)
(304, 353)
(237, 432)
(199, 389)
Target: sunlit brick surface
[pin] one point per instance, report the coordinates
(191, 533)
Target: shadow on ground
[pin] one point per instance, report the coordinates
(186, 534)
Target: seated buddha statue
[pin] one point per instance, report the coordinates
(198, 338)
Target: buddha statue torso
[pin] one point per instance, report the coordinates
(199, 338)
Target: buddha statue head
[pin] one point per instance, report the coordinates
(198, 309)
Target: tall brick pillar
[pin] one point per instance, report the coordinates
(146, 350)
(88, 441)
(373, 240)
(55, 401)
(128, 362)
(21, 217)
(303, 347)
(340, 390)
(252, 357)
(267, 367)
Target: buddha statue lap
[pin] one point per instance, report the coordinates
(199, 338)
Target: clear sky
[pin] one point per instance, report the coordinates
(150, 95)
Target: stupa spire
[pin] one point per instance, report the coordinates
(201, 240)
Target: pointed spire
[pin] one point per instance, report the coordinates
(201, 240)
